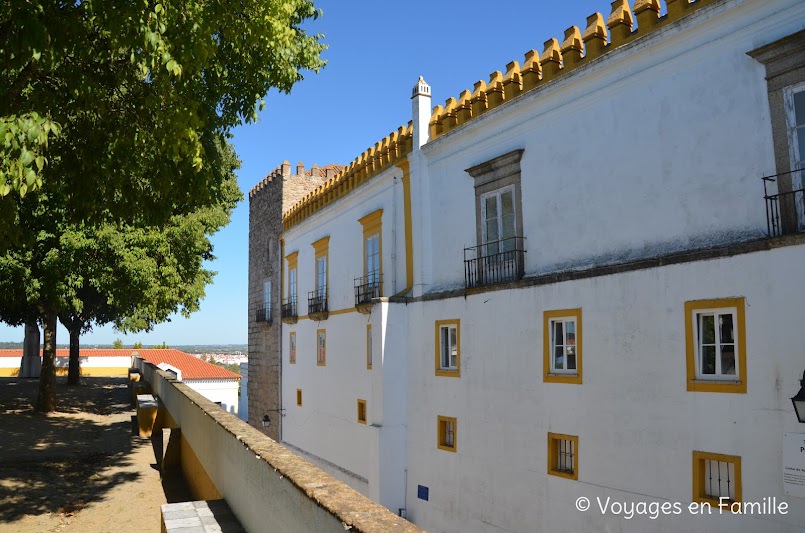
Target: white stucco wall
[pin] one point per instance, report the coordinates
(326, 425)
(637, 424)
(218, 390)
(656, 147)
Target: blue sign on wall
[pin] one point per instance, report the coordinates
(422, 492)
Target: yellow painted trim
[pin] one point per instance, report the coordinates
(292, 348)
(437, 352)
(694, 385)
(331, 313)
(441, 427)
(373, 225)
(197, 478)
(699, 482)
(369, 347)
(405, 166)
(111, 371)
(299, 397)
(553, 455)
(362, 403)
(547, 377)
(324, 361)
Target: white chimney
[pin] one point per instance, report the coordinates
(421, 112)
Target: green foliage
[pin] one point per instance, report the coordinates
(162, 346)
(118, 99)
(138, 346)
(118, 344)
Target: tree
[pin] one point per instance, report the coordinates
(102, 104)
(118, 344)
(137, 277)
(155, 79)
(138, 346)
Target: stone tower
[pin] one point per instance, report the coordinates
(268, 200)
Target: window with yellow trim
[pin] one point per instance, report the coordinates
(361, 411)
(448, 348)
(447, 428)
(371, 284)
(562, 353)
(563, 455)
(292, 348)
(321, 347)
(716, 479)
(299, 397)
(369, 346)
(715, 336)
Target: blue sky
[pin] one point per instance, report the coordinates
(377, 50)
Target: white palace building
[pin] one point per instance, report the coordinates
(580, 279)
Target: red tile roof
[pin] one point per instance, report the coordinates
(192, 367)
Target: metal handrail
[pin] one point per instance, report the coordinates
(494, 262)
(368, 287)
(793, 202)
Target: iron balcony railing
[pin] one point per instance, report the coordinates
(785, 209)
(317, 302)
(264, 314)
(494, 262)
(367, 287)
(289, 308)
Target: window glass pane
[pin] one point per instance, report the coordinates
(708, 331)
(492, 230)
(453, 348)
(559, 358)
(801, 139)
(726, 329)
(507, 215)
(445, 347)
(571, 358)
(558, 335)
(728, 359)
(267, 294)
(799, 108)
(491, 204)
(708, 360)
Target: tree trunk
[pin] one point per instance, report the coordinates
(46, 401)
(73, 372)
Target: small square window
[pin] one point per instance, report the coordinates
(369, 346)
(715, 335)
(292, 348)
(299, 397)
(562, 346)
(563, 455)
(448, 348)
(361, 411)
(716, 476)
(447, 428)
(321, 347)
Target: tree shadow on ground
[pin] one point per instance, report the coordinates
(60, 462)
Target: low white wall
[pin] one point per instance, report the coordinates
(223, 391)
(243, 399)
(266, 486)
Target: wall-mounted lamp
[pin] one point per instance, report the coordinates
(799, 400)
(267, 421)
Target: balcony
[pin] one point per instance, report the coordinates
(317, 305)
(785, 211)
(264, 315)
(366, 288)
(289, 311)
(494, 262)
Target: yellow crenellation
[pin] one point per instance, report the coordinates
(371, 162)
(577, 48)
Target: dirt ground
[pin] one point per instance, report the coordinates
(79, 468)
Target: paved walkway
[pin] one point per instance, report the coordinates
(78, 469)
